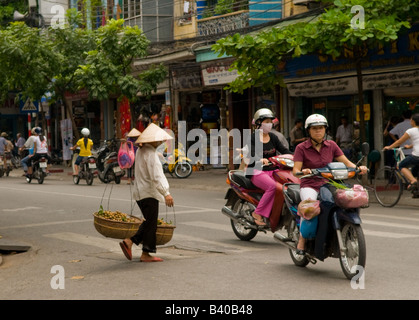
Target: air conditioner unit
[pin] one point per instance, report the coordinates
(17, 16)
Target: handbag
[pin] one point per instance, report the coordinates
(126, 155)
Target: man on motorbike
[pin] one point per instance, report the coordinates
(316, 152)
(85, 144)
(263, 178)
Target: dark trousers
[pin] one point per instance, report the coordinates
(147, 231)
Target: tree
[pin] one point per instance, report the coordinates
(108, 69)
(35, 61)
(60, 60)
(331, 33)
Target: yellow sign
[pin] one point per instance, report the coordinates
(367, 112)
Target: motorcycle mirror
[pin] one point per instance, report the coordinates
(365, 148)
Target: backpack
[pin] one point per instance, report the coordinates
(126, 155)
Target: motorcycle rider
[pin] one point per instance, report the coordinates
(316, 152)
(40, 149)
(263, 177)
(85, 144)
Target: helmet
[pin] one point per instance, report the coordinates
(85, 132)
(263, 114)
(315, 120)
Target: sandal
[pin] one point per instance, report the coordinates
(258, 221)
(126, 250)
(412, 186)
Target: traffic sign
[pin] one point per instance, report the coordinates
(29, 106)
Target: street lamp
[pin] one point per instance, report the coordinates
(32, 18)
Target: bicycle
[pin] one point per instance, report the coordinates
(389, 182)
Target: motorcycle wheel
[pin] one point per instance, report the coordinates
(356, 251)
(1, 173)
(28, 180)
(294, 234)
(89, 177)
(76, 179)
(183, 170)
(41, 176)
(242, 232)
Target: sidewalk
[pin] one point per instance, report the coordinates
(208, 179)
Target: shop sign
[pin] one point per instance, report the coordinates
(218, 75)
(186, 78)
(323, 88)
(391, 80)
(367, 112)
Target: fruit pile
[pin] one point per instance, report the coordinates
(161, 222)
(114, 215)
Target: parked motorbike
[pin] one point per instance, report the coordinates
(243, 198)
(107, 162)
(336, 232)
(39, 170)
(87, 170)
(181, 166)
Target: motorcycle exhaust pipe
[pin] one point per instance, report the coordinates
(284, 240)
(229, 213)
(234, 216)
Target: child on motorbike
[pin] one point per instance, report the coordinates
(316, 152)
(263, 177)
(85, 144)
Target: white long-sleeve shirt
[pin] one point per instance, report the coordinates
(150, 181)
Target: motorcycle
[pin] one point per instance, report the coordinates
(5, 164)
(87, 170)
(336, 232)
(181, 166)
(243, 197)
(107, 162)
(39, 170)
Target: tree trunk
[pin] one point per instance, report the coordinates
(69, 109)
(362, 131)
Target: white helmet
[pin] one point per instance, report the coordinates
(263, 114)
(315, 120)
(85, 132)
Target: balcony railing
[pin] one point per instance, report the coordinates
(227, 22)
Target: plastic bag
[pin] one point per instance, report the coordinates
(356, 197)
(308, 209)
(126, 155)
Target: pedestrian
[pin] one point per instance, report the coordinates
(263, 177)
(133, 137)
(297, 133)
(281, 137)
(344, 135)
(399, 130)
(412, 159)
(150, 187)
(313, 154)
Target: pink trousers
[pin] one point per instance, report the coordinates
(265, 181)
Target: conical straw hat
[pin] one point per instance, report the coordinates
(153, 134)
(134, 133)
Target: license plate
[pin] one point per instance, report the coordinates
(43, 164)
(116, 169)
(9, 161)
(92, 165)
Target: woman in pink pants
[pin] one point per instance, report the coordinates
(257, 170)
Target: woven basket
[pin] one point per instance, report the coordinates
(164, 234)
(122, 230)
(116, 229)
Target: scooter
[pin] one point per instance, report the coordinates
(87, 170)
(39, 170)
(336, 232)
(7, 163)
(2, 165)
(107, 162)
(181, 166)
(243, 197)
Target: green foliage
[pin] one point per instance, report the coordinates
(258, 56)
(8, 7)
